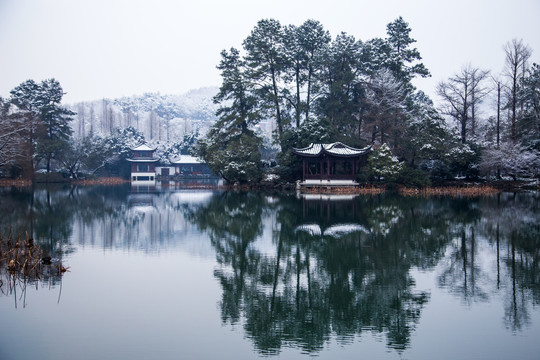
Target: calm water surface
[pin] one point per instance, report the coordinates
(175, 274)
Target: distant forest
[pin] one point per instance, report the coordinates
(289, 86)
(159, 117)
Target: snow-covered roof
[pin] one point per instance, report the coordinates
(337, 149)
(335, 231)
(143, 147)
(142, 160)
(187, 159)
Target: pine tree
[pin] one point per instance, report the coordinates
(231, 148)
(266, 62)
(402, 56)
(49, 129)
(383, 164)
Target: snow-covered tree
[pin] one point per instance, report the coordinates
(530, 96)
(511, 160)
(56, 120)
(461, 96)
(403, 60)
(231, 148)
(236, 160)
(383, 164)
(47, 119)
(265, 60)
(385, 99)
(123, 140)
(517, 55)
(464, 159)
(13, 147)
(304, 47)
(341, 88)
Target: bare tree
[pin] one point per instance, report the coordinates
(517, 55)
(478, 93)
(13, 143)
(81, 115)
(92, 119)
(462, 94)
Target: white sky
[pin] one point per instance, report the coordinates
(113, 48)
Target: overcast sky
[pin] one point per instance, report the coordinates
(114, 48)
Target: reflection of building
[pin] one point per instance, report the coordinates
(330, 216)
(187, 166)
(143, 163)
(145, 168)
(331, 164)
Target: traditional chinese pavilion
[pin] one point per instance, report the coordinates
(143, 163)
(186, 166)
(331, 164)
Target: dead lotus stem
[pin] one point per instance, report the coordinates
(22, 256)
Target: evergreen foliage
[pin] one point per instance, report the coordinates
(38, 106)
(320, 90)
(383, 165)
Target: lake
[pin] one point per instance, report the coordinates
(166, 273)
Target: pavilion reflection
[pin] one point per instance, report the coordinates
(322, 274)
(328, 215)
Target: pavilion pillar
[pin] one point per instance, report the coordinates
(327, 168)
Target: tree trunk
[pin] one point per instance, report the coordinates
(276, 104)
(298, 105)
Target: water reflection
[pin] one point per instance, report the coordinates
(343, 267)
(298, 272)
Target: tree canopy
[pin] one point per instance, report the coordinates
(315, 88)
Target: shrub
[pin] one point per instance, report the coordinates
(412, 177)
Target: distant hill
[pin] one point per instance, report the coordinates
(158, 117)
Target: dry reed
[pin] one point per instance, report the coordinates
(102, 181)
(22, 257)
(15, 182)
(456, 191)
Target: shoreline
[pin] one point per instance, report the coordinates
(452, 188)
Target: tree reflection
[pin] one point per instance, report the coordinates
(314, 284)
(510, 223)
(45, 214)
(233, 222)
(514, 227)
(336, 269)
(301, 272)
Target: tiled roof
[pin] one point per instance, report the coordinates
(187, 159)
(337, 148)
(142, 160)
(143, 147)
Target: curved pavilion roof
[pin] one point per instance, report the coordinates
(143, 147)
(336, 149)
